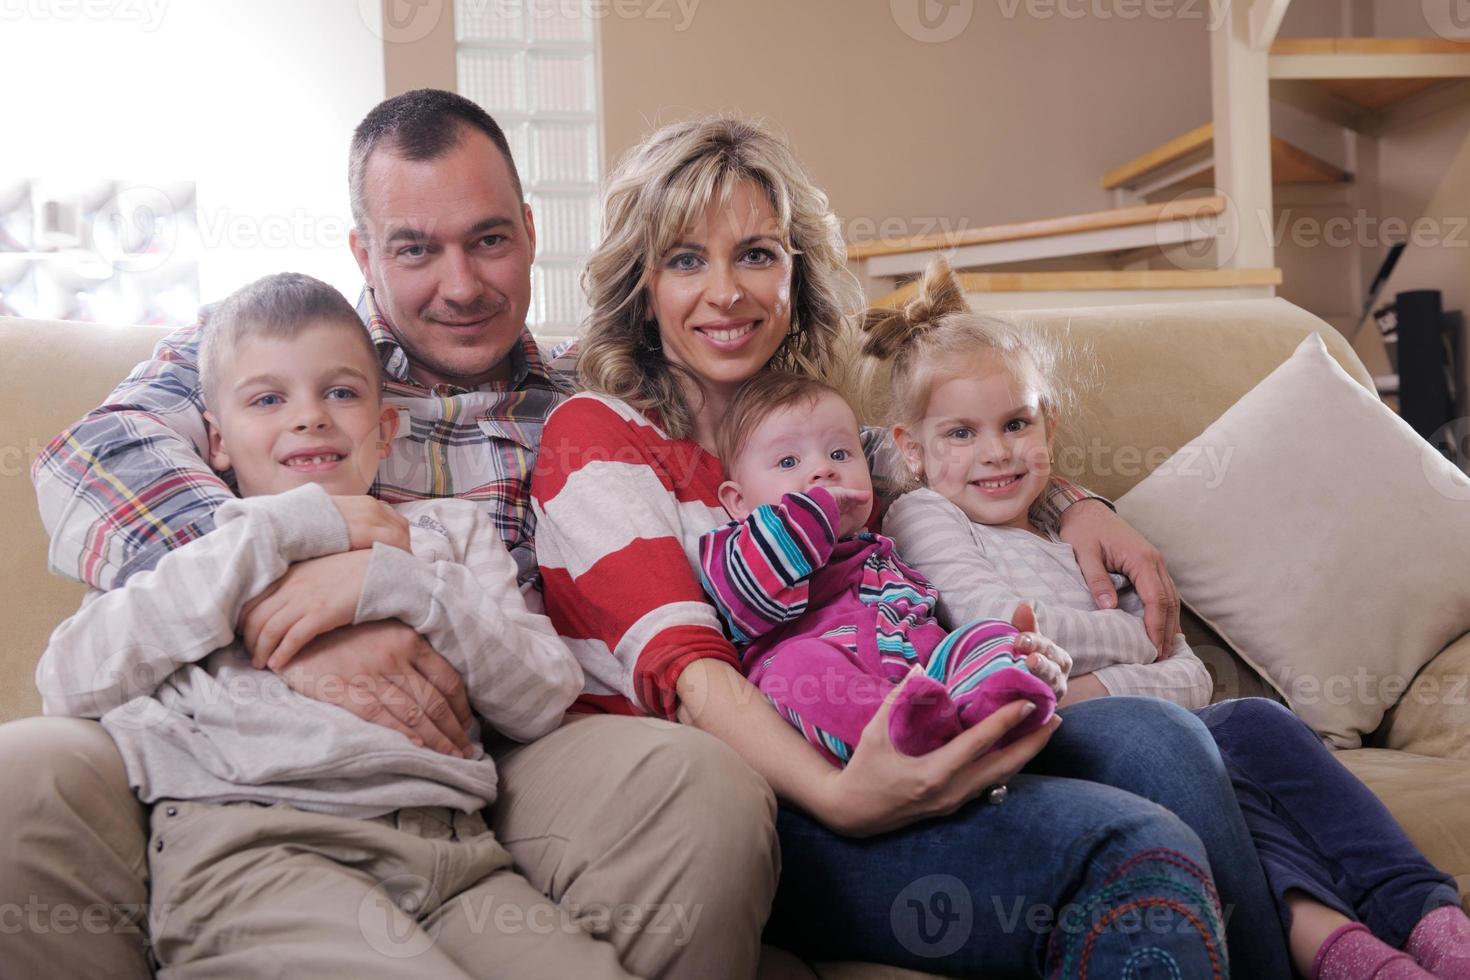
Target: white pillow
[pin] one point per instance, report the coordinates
(1321, 537)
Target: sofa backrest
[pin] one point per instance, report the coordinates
(1153, 378)
(52, 372)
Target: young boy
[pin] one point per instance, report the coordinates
(830, 617)
(288, 835)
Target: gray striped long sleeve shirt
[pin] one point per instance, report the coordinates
(985, 572)
(159, 663)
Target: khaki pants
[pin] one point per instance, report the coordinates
(652, 837)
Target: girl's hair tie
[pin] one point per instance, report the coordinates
(890, 331)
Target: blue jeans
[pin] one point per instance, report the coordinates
(1317, 828)
(1084, 866)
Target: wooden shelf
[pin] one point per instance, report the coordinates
(1369, 73)
(1289, 164)
(1190, 209)
(1098, 281)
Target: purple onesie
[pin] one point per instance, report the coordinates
(828, 627)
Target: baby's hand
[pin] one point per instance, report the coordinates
(853, 507)
(369, 521)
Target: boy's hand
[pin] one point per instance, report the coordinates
(853, 508)
(370, 521)
(312, 598)
(1103, 541)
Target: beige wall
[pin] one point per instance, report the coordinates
(1015, 118)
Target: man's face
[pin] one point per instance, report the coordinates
(447, 253)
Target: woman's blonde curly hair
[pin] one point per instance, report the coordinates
(660, 190)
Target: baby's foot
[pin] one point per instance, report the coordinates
(923, 717)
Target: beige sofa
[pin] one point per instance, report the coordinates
(1160, 374)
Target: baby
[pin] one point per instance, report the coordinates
(279, 820)
(829, 617)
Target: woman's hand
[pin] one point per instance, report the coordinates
(1103, 542)
(370, 520)
(1044, 658)
(312, 598)
(882, 789)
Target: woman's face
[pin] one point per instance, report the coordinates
(722, 293)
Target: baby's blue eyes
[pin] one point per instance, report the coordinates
(787, 462)
(840, 455)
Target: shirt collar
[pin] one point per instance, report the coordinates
(525, 357)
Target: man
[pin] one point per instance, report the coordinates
(445, 243)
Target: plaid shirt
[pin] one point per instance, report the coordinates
(130, 481)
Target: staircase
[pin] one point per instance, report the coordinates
(1194, 217)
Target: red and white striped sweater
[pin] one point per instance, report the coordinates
(620, 508)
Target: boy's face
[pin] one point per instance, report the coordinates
(304, 409)
(797, 447)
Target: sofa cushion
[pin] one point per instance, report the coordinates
(1322, 538)
(1427, 797)
(1433, 717)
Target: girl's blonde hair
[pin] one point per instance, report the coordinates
(659, 191)
(934, 338)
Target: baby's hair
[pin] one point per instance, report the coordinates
(276, 306)
(934, 338)
(756, 400)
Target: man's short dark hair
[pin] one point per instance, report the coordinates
(420, 125)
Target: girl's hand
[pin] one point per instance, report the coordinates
(312, 598)
(1045, 659)
(370, 520)
(882, 788)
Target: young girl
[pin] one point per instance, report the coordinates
(827, 617)
(975, 407)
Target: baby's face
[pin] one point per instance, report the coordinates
(303, 409)
(800, 446)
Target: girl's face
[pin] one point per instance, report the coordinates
(984, 443)
(722, 294)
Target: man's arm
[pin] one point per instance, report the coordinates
(128, 483)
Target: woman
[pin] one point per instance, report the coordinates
(722, 260)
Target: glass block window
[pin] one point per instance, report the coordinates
(532, 64)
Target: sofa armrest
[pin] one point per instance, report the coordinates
(1433, 716)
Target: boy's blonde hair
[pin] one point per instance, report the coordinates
(276, 306)
(756, 400)
(934, 338)
(660, 190)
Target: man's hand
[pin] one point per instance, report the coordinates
(1044, 658)
(386, 673)
(1104, 542)
(312, 598)
(370, 520)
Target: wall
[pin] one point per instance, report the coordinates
(1018, 116)
(255, 100)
